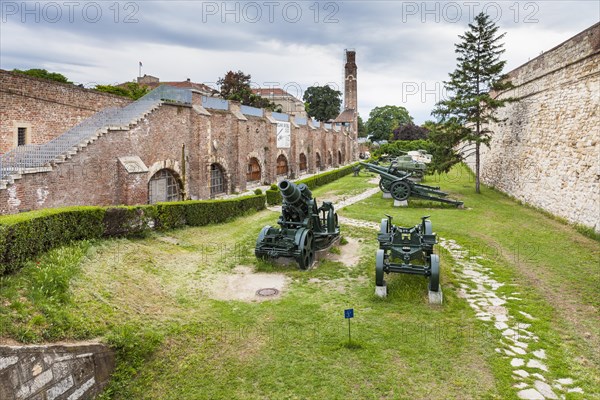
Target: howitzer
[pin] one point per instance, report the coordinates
(304, 228)
(401, 188)
(407, 251)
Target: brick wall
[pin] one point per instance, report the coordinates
(546, 152)
(46, 108)
(178, 138)
(54, 372)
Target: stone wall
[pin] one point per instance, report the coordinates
(546, 153)
(54, 372)
(46, 108)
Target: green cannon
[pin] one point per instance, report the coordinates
(401, 188)
(304, 228)
(407, 251)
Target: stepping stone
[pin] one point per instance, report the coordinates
(575, 390)
(517, 350)
(545, 390)
(539, 376)
(565, 381)
(536, 364)
(520, 385)
(501, 325)
(522, 373)
(517, 362)
(540, 354)
(530, 394)
(526, 315)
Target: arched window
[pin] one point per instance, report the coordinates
(217, 180)
(317, 161)
(163, 186)
(282, 165)
(340, 158)
(253, 174)
(329, 158)
(303, 164)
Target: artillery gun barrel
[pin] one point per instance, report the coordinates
(293, 193)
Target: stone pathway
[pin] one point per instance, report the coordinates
(479, 289)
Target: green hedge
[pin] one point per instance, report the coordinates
(326, 177)
(273, 197)
(24, 236)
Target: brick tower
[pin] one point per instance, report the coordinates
(349, 116)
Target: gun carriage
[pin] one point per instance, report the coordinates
(401, 188)
(407, 251)
(304, 228)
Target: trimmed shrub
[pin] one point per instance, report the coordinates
(257, 191)
(24, 236)
(273, 197)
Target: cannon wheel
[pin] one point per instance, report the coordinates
(307, 249)
(400, 190)
(428, 228)
(261, 238)
(384, 185)
(434, 278)
(379, 263)
(385, 226)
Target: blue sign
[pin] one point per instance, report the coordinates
(349, 313)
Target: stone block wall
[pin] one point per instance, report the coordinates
(54, 372)
(45, 107)
(546, 153)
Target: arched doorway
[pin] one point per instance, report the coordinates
(217, 180)
(317, 161)
(282, 165)
(302, 163)
(253, 174)
(340, 158)
(164, 186)
(329, 159)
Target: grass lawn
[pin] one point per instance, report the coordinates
(152, 298)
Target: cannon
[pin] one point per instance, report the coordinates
(401, 188)
(407, 251)
(304, 228)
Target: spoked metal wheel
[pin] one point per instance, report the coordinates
(307, 250)
(384, 185)
(379, 264)
(261, 237)
(434, 279)
(400, 190)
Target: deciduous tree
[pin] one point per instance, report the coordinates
(322, 102)
(383, 120)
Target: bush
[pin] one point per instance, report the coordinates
(273, 197)
(257, 191)
(25, 236)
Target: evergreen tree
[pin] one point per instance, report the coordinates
(473, 89)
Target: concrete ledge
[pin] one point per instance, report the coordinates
(436, 297)
(400, 203)
(387, 195)
(381, 291)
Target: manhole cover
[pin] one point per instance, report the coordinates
(267, 292)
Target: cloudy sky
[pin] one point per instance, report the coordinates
(405, 49)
